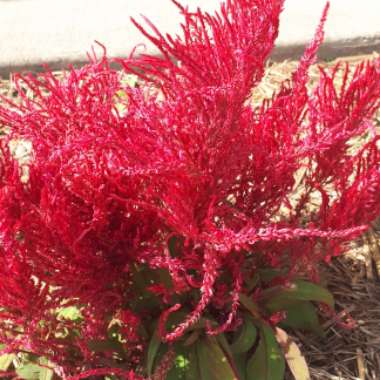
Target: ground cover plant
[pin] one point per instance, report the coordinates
(172, 230)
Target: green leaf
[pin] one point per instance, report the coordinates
(240, 363)
(206, 359)
(29, 371)
(303, 316)
(280, 298)
(246, 337)
(267, 363)
(6, 360)
(153, 348)
(213, 363)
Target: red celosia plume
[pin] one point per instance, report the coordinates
(180, 176)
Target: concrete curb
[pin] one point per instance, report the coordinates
(34, 32)
(331, 49)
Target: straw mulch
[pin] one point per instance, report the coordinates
(346, 352)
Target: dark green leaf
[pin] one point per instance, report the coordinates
(240, 363)
(206, 359)
(303, 316)
(193, 371)
(224, 345)
(213, 363)
(154, 345)
(267, 363)
(280, 298)
(246, 337)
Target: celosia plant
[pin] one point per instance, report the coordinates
(167, 230)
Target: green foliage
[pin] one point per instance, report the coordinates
(256, 350)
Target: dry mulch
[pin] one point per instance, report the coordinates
(354, 279)
(349, 353)
(351, 348)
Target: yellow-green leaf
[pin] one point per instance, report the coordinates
(46, 372)
(29, 371)
(293, 356)
(6, 360)
(70, 313)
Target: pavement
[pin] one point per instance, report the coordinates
(56, 32)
